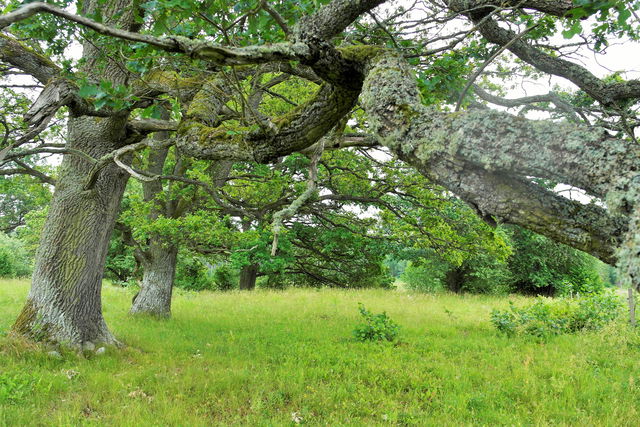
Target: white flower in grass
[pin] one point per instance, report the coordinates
(296, 417)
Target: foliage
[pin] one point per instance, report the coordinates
(15, 388)
(540, 265)
(338, 257)
(425, 276)
(524, 262)
(121, 266)
(376, 327)
(545, 318)
(29, 234)
(483, 273)
(14, 258)
(20, 195)
(396, 266)
(196, 273)
(225, 277)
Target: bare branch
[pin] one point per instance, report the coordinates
(289, 211)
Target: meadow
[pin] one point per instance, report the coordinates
(278, 358)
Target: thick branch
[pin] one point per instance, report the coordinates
(589, 228)
(299, 129)
(551, 7)
(331, 19)
(576, 155)
(480, 154)
(198, 49)
(14, 53)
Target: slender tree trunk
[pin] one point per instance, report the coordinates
(64, 304)
(248, 276)
(154, 297)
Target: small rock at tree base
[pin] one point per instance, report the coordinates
(88, 346)
(100, 351)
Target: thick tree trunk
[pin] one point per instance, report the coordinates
(248, 276)
(64, 304)
(154, 297)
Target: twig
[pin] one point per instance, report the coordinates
(475, 75)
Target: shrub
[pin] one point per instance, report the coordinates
(586, 286)
(542, 266)
(546, 318)
(14, 259)
(376, 327)
(225, 277)
(426, 276)
(196, 273)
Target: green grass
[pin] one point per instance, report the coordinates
(257, 358)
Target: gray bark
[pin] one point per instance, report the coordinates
(483, 155)
(156, 289)
(64, 304)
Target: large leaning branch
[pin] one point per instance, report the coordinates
(583, 157)
(479, 153)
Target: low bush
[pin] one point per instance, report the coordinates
(425, 277)
(549, 317)
(376, 327)
(14, 259)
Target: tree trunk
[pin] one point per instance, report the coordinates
(455, 279)
(154, 297)
(248, 277)
(64, 304)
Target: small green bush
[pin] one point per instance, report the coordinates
(376, 327)
(427, 277)
(225, 277)
(549, 317)
(586, 286)
(14, 259)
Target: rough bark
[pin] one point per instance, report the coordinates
(64, 303)
(485, 156)
(15, 53)
(248, 276)
(158, 278)
(514, 200)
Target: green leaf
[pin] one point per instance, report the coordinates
(576, 28)
(88, 91)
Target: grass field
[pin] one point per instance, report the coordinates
(281, 358)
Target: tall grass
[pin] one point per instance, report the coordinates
(282, 358)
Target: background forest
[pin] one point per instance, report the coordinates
(399, 231)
